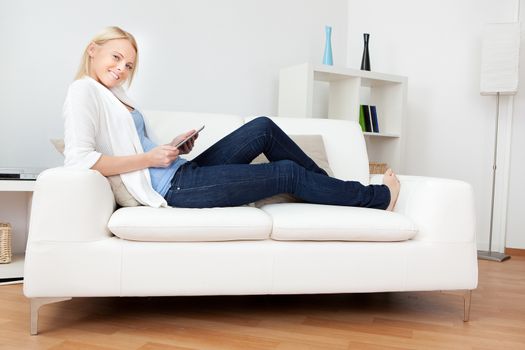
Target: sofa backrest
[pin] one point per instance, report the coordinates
(344, 141)
(163, 126)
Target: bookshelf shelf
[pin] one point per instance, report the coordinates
(379, 134)
(13, 272)
(347, 90)
(15, 206)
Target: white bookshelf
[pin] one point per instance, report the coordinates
(15, 269)
(24, 189)
(347, 90)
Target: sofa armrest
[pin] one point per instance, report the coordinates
(71, 205)
(442, 209)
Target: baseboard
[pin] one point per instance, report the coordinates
(515, 252)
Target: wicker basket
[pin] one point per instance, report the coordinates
(5, 243)
(377, 168)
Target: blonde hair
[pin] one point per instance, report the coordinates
(107, 34)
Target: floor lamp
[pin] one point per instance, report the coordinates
(499, 76)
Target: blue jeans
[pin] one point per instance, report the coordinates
(222, 176)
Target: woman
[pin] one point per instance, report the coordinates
(105, 131)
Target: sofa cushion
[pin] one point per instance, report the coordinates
(185, 224)
(304, 221)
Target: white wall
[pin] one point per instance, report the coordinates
(224, 56)
(450, 127)
(200, 55)
(515, 217)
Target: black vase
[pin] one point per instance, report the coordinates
(365, 61)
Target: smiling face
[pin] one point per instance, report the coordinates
(111, 62)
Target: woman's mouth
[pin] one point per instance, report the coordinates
(114, 75)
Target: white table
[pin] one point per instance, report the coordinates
(15, 269)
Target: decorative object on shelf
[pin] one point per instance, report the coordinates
(5, 243)
(377, 168)
(499, 76)
(327, 57)
(365, 60)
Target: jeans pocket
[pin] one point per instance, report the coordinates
(176, 180)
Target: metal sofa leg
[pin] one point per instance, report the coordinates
(467, 296)
(36, 303)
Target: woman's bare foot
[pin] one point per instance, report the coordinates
(392, 182)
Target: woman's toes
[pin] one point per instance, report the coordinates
(393, 184)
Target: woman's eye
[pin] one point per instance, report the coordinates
(129, 67)
(116, 57)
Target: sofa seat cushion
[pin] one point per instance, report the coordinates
(193, 225)
(315, 222)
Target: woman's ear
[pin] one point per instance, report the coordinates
(91, 49)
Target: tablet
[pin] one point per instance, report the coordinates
(189, 137)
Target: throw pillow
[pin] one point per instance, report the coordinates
(59, 145)
(313, 146)
(122, 196)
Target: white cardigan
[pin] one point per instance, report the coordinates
(97, 123)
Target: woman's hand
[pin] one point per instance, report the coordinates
(162, 156)
(188, 146)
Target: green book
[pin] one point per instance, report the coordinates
(362, 117)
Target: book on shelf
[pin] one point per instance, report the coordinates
(373, 116)
(362, 118)
(366, 113)
(368, 118)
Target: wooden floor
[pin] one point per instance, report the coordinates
(424, 320)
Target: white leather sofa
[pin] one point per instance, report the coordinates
(81, 245)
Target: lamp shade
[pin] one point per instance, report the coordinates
(499, 58)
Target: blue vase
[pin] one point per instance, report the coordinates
(327, 58)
